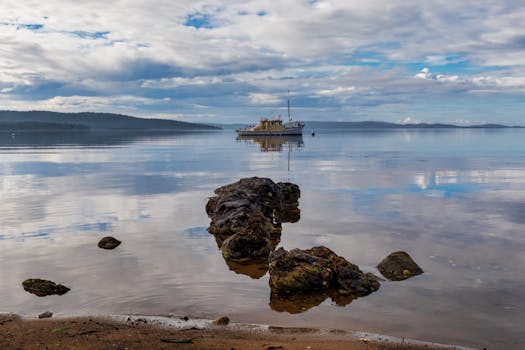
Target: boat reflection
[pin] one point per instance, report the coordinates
(274, 143)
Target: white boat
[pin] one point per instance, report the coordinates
(274, 127)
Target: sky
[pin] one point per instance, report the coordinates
(234, 61)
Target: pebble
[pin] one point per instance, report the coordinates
(221, 321)
(46, 314)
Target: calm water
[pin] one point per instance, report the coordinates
(454, 200)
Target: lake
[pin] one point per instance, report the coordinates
(453, 199)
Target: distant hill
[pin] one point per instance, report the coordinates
(386, 125)
(84, 121)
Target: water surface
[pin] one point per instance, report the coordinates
(453, 199)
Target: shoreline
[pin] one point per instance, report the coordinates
(157, 332)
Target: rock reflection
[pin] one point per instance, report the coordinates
(246, 219)
(296, 303)
(252, 268)
(274, 143)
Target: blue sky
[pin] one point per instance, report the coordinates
(234, 61)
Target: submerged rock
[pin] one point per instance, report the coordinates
(319, 268)
(399, 266)
(43, 288)
(246, 217)
(108, 243)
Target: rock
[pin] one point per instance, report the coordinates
(46, 314)
(399, 266)
(298, 271)
(249, 244)
(351, 280)
(221, 321)
(108, 243)
(318, 268)
(246, 217)
(43, 288)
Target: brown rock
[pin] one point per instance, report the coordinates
(43, 288)
(221, 321)
(399, 266)
(318, 268)
(108, 243)
(46, 314)
(246, 217)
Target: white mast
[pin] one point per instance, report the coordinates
(289, 117)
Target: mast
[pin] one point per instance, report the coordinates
(289, 117)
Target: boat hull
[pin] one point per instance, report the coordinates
(285, 132)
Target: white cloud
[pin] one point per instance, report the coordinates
(116, 104)
(337, 91)
(333, 53)
(264, 99)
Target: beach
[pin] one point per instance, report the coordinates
(104, 333)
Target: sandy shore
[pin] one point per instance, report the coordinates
(105, 333)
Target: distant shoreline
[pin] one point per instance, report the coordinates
(387, 125)
(13, 121)
(379, 125)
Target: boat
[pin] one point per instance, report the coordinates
(273, 127)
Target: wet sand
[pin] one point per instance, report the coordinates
(102, 333)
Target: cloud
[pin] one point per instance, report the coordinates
(83, 103)
(264, 99)
(336, 55)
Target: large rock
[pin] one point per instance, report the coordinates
(399, 266)
(248, 201)
(246, 245)
(299, 271)
(246, 217)
(319, 268)
(43, 288)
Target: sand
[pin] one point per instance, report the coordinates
(105, 333)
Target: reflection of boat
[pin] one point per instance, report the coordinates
(273, 127)
(274, 143)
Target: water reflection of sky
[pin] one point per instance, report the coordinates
(454, 200)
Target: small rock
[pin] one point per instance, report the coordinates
(221, 321)
(185, 318)
(108, 243)
(399, 266)
(43, 288)
(46, 314)
(176, 341)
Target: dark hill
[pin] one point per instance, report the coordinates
(44, 120)
(386, 125)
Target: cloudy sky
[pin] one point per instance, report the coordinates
(234, 61)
